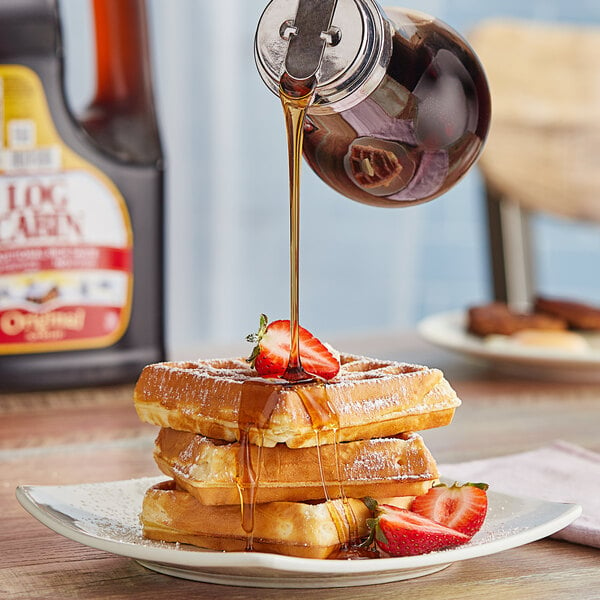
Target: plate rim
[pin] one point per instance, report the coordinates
(171, 555)
(428, 328)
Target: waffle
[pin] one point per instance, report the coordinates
(373, 167)
(207, 469)
(367, 399)
(311, 530)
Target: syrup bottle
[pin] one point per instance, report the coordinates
(401, 107)
(81, 204)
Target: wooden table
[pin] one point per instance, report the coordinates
(94, 435)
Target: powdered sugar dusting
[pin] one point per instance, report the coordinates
(108, 512)
(205, 397)
(373, 461)
(104, 510)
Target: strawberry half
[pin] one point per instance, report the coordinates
(460, 507)
(271, 354)
(401, 532)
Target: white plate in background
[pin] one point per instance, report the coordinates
(448, 330)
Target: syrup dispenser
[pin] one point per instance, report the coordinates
(401, 105)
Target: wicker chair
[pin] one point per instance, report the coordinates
(543, 150)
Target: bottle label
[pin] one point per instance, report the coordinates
(65, 235)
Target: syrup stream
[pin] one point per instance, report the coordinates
(295, 101)
(324, 418)
(257, 401)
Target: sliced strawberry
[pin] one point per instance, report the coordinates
(401, 532)
(460, 507)
(271, 354)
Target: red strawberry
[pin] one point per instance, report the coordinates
(401, 532)
(271, 354)
(460, 507)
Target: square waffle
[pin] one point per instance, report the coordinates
(208, 469)
(311, 530)
(367, 399)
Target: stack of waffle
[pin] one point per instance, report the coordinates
(279, 467)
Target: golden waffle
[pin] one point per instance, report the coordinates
(207, 469)
(294, 528)
(367, 399)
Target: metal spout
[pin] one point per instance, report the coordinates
(309, 34)
(338, 48)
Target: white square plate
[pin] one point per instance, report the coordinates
(106, 516)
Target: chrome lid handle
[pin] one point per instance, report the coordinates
(309, 34)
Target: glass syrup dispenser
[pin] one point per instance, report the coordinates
(401, 105)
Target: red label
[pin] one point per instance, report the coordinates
(63, 324)
(19, 260)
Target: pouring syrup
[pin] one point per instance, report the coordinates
(295, 101)
(258, 399)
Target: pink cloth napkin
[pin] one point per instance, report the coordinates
(559, 472)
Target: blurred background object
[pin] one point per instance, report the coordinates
(362, 268)
(80, 303)
(542, 153)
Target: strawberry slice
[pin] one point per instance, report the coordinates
(271, 354)
(401, 532)
(460, 507)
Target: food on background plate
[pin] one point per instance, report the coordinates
(570, 342)
(259, 463)
(498, 318)
(578, 315)
(551, 325)
(545, 314)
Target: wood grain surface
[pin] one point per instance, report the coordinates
(94, 435)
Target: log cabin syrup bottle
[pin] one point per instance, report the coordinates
(81, 204)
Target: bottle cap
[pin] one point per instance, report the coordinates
(353, 59)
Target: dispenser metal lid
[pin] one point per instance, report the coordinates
(357, 50)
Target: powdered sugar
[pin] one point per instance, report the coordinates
(105, 516)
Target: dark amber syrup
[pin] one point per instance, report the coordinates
(433, 106)
(353, 552)
(258, 399)
(257, 402)
(295, 101)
